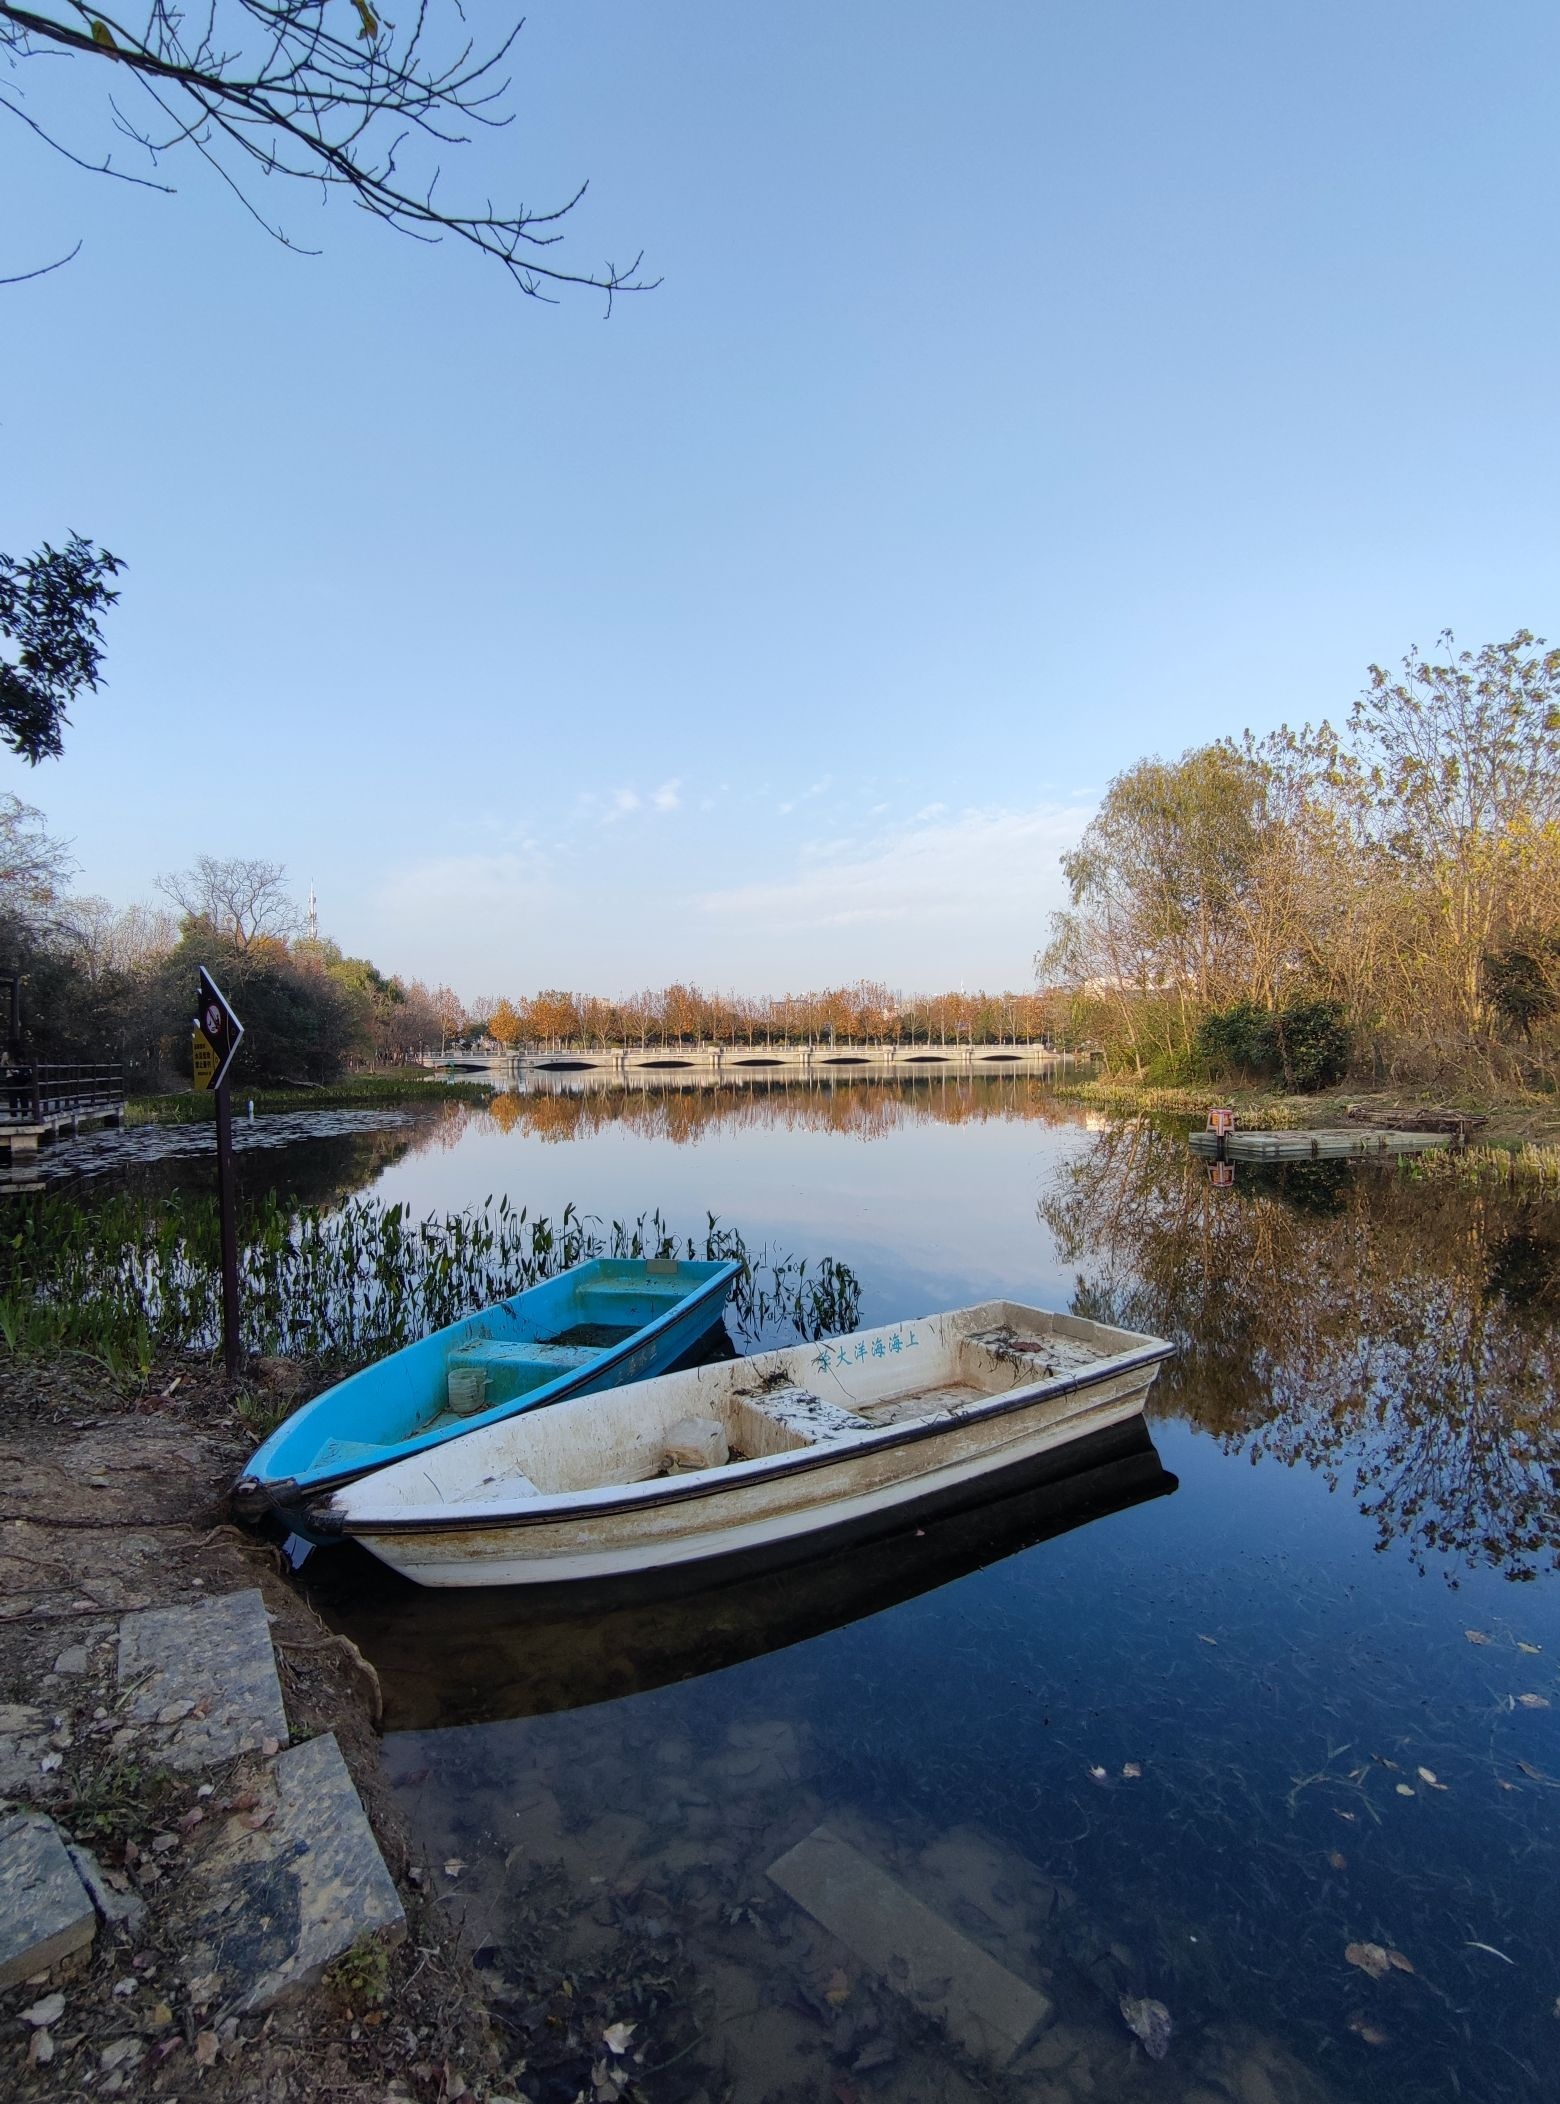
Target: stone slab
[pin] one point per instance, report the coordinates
(990, 2011)
(279, 1900)
(45, 1911)
(202, 1679)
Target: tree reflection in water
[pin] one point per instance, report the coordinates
(1399, 1334)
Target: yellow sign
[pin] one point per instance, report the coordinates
(204, 1054)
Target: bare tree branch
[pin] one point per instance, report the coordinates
(270, 86)
(22, 276)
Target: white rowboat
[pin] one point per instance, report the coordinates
(767, 1458)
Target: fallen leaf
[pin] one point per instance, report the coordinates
(1405, 1789)
(1476, 1636)
(1131, 1771)
(1534, 1701)
(454, 1867)
(1148, 2021)
(1372, 2034)
(206, 2049)
(1475, 1946)
(1370, 1958)
(40, 2049)
(1338, 1860)
(1351, 1817)
(1398, 1962)
(837, 1993)
(617, 2037)
(1208, 1640)
(270, 1746)
(1532, 1650)
(1429, 1777)
(48, 2011)
(1099, 1775)
(50, 1762)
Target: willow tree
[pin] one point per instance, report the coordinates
(1458, 763)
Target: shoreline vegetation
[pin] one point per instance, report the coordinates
(1378, 903)
(135, 1280)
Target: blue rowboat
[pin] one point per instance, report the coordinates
(599, 1325)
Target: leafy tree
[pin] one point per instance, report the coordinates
(337, 98)
(49, 608)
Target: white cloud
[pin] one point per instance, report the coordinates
(979, 883)
(668, 796)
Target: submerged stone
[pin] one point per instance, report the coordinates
(990, 2011)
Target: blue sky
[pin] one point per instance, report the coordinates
(1031, 387)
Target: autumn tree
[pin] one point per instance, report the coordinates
(505, 1024)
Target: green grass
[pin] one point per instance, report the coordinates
(361, 1091)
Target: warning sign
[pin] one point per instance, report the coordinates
(217, 1033)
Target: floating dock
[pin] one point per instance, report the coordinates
(1325, 1143)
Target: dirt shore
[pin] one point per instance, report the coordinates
(111, 1502)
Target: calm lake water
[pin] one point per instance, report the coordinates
(1237, 1717)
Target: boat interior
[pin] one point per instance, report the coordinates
(747, 1410)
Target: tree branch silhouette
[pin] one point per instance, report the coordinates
(269, 88)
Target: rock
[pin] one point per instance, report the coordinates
(204, 1679)
(48, 2011)
(75, 1658)
(24, 1744)
(45, 1912)
(275, 1904)
(990, 2011)
(122, 1910)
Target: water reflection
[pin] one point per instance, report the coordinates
(1194, 1754)
(681, 1109)
(448, 1658)
(1395, 1334)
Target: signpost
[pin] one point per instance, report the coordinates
(216, 1039)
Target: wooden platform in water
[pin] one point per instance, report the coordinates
(1324, 1143)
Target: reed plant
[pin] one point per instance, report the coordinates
(135, 1278)
(1535, 1167)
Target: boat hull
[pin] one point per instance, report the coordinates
(305, 1459)
(795, 1510)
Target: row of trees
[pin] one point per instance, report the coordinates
(100, 983)
(866, 1013)
(1396, 881)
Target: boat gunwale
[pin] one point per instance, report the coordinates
(291, 1489)
(552, 1508)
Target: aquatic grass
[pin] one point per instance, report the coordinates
(135, 1278)
(1470, 1167)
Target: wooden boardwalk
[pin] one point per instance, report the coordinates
(1324, 1143)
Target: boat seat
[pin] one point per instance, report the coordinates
(493, 1352)
(809, 1416)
